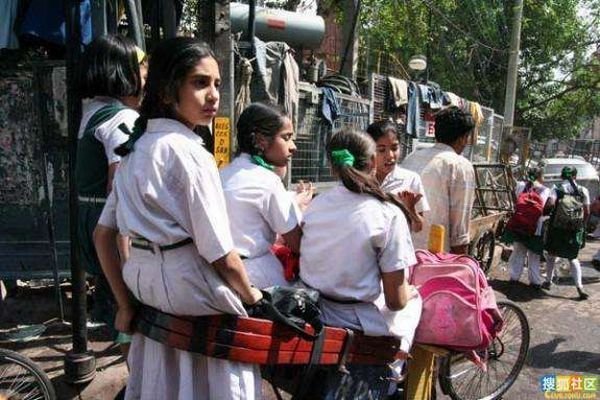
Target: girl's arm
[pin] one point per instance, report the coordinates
(105, 240)
(232, 270)
(396, 290)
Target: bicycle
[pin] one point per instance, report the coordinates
(21, 378)
(504, 358)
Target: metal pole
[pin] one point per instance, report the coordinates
(80, 365)
(513, 65)
(134, 23)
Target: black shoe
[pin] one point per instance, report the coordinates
(535, 286)
(546, 285)
(582, 295)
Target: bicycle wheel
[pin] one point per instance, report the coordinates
(461, 379)
(22, 379)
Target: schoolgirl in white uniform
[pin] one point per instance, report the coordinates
(393, 178)
(167, 197)
(258, 204)
(355, 248)
(112, 79)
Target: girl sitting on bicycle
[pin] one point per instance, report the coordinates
(355, 249)
(167, 197)
(258, 204)
(393, 178)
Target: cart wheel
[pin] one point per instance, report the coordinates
(484, 250)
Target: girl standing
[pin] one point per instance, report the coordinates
(258, 204)
(355, 249)
(111, 82)
(524, 245)
(393, 178)
(167, 197)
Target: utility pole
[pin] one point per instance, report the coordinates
(80, 364)
(513, 65)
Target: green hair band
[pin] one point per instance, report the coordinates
(342, 157)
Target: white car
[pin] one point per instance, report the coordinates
(586, 173)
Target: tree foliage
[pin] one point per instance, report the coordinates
(467, 42)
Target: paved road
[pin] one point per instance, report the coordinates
(565, 332)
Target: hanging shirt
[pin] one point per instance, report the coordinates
(449, 181)
(400, 180)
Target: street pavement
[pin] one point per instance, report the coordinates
(564, 331)
(565, 334)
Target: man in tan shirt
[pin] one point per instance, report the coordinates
(449, 180)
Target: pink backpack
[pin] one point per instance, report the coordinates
(459, 308)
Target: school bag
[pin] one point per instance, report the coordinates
(459, 307)
(528, 210)
(568, 213)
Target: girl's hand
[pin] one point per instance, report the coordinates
(304, 194)
(124, 318)
(410, 199)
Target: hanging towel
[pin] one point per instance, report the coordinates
(475, 110)
(398, 88)
(450, 99)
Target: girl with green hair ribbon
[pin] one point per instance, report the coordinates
(355, 247)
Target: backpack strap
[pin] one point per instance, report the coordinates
(575, 188)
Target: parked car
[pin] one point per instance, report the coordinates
(587, 175)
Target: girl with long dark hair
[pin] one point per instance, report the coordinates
(167, 197)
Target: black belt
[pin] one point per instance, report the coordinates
(144, 244)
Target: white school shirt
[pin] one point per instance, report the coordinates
(566, 187)
(348, 240)
(108, 133)
(400, 180)
(168, 189)
(258, 205)
(544, 193)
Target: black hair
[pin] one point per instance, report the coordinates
(380, 128)
(110, 67)
(171, 61)
(355, 177)
(258, 118)
(452, 124)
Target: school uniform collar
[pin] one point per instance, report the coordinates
(156, 125)
(443, 146)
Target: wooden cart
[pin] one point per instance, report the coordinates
(494, 203)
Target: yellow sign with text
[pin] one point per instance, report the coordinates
(222, 134)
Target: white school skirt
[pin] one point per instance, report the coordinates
(180, 282)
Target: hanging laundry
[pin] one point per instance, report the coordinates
(397, 93)
(8, 13)
(475, 110)
(451, 99)
(330, 107)
(413, 112)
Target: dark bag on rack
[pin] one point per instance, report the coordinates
(293, 307)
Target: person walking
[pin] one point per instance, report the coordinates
(524, 229)
(566, 229)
